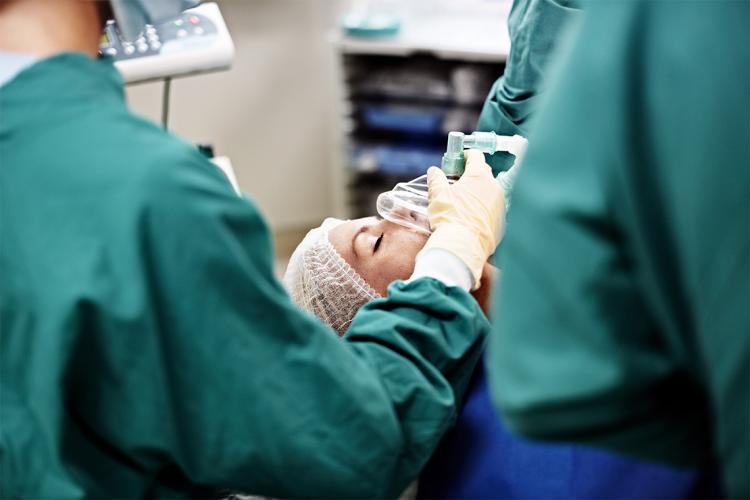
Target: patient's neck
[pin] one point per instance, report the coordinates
(483, 294)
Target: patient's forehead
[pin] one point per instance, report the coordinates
(342, 235)
(350, 227)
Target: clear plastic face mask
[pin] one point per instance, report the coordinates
(406, 204)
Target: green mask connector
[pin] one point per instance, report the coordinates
(454, 161)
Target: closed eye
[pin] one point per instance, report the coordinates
(377, 243)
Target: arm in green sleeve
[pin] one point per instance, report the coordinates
(236, 388)
(536, 28)
(433, 319)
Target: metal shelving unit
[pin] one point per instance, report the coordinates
(402, 95)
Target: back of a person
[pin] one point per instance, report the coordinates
(690, 209)
(646, 283)
(78, 174)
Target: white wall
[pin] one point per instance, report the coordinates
(274, 114)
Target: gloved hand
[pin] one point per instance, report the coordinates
(466, 216)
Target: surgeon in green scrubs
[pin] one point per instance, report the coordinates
(537, 30)
(623, 317)
(146, 348)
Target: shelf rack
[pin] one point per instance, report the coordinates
(400, 96)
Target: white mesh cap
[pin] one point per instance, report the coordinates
(320, 281)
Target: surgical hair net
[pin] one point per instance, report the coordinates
(322, 282)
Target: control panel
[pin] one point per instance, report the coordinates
(197, 41)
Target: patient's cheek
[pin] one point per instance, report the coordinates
(397, 268)
(397, 264)
(402, 266)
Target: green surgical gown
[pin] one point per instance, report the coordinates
(537, 29)
(623, 318)
(147, 348)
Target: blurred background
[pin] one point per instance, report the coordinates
(319, 117)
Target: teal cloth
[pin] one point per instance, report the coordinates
(147, 348)
(623, 317)
(536, 29)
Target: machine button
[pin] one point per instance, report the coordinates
(181, 33)
(142, 47)
(195, 20)
(155, 45)
(198, 30)
(128, 49)
(179, 23)
(150, 30)
(111, 51)
(153, 38)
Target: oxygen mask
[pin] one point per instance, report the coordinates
(406, 205)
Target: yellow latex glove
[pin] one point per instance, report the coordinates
(466, 216)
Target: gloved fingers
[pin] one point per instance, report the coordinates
(437, 182)
(475, 164)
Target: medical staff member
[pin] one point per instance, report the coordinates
(623, 318)
(537, 30)
(480, 457)
(146, 347)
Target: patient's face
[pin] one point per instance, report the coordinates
(380, 251)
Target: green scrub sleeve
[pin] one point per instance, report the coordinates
(535, 28)
(621, 319)
(240, 389)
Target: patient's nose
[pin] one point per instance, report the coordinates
(405, 213)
